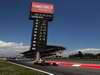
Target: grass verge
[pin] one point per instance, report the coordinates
(7, 68)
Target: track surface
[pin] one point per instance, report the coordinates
(65, 68)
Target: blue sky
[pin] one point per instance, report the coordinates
(76, 23)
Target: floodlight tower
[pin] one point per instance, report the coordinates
(40, 13)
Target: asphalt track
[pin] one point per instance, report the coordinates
(66, 68)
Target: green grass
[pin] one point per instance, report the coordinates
(7, 68)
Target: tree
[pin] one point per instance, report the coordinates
(80, 54)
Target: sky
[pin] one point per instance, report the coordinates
(76, 23)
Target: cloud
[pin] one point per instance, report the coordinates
(9, 49)
(85, 50)
(66, 53)
(90, 50)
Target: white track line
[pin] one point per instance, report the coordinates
(31, 68)
(76, 65)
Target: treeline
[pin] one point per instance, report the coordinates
(85, 55)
